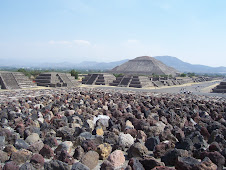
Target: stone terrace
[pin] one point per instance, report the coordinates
(15, 80)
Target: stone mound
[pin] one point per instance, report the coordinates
(144, 65)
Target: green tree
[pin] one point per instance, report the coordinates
(74, 74)
(183, 75)
(191, 74)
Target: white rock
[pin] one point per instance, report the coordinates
(95, 119)
(125, 140)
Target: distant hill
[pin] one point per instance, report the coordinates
(85, 65)
(187, 67)
(100, 65)
(94, 65)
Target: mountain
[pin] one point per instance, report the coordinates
(187, 67)
(85, 65)
(94, 65)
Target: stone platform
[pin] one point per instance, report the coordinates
(54, 79)
(15, 80)
(221, 88)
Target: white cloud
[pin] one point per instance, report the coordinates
(82, 42)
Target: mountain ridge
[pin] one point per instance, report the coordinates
(95, 65)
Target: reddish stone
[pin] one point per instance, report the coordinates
(215, 157)
(116, 158)
(64, 157)
(37, 161)
(207, 164)
(161, 149)
(10, 166)
(47, 151)
(204, 132)
(132, 132)
(88, 145)
(214, 147)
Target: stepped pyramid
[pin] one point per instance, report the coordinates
(54, 79)
(221, 88)
(144, 65)
(15, 80)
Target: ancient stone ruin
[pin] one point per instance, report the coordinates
(15, 80)
(54, 79)
(132, 81)
(144, 65)
(141, 72)
(98, 79)
(221, 88)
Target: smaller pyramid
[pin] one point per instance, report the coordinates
(54, 79)
(144, 65)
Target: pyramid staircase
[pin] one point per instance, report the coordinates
(15, 80)
(54, 79)
(98, 79)
(221, 88)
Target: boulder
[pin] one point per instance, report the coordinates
(116, 158)
(137, 150)
(34, 137)
(135, 164)
(56, 165)
(21, 156)
(78, 153)
(104, 150)
(150, 162)
(79, 166)
(90, 159)
(125, 140)
(37, 161)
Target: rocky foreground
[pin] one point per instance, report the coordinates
(82, 129)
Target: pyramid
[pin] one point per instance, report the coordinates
(14, 80)
(54, 79)
(144, 65)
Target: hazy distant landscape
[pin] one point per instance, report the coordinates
(104, 66)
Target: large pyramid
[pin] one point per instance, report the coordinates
(144, 65)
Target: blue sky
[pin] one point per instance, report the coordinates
(112, 30)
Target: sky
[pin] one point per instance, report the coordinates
(112, 30)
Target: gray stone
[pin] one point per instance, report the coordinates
(34, 137)
(137, 150)
(21, 144)
(152, 142)
(90, 159)
(27, 166)
(56, 165)
(79, 166)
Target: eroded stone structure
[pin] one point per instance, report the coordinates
(54, 79)
(144, 65)
(15, 80)
(221, 88)
(98, 79)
